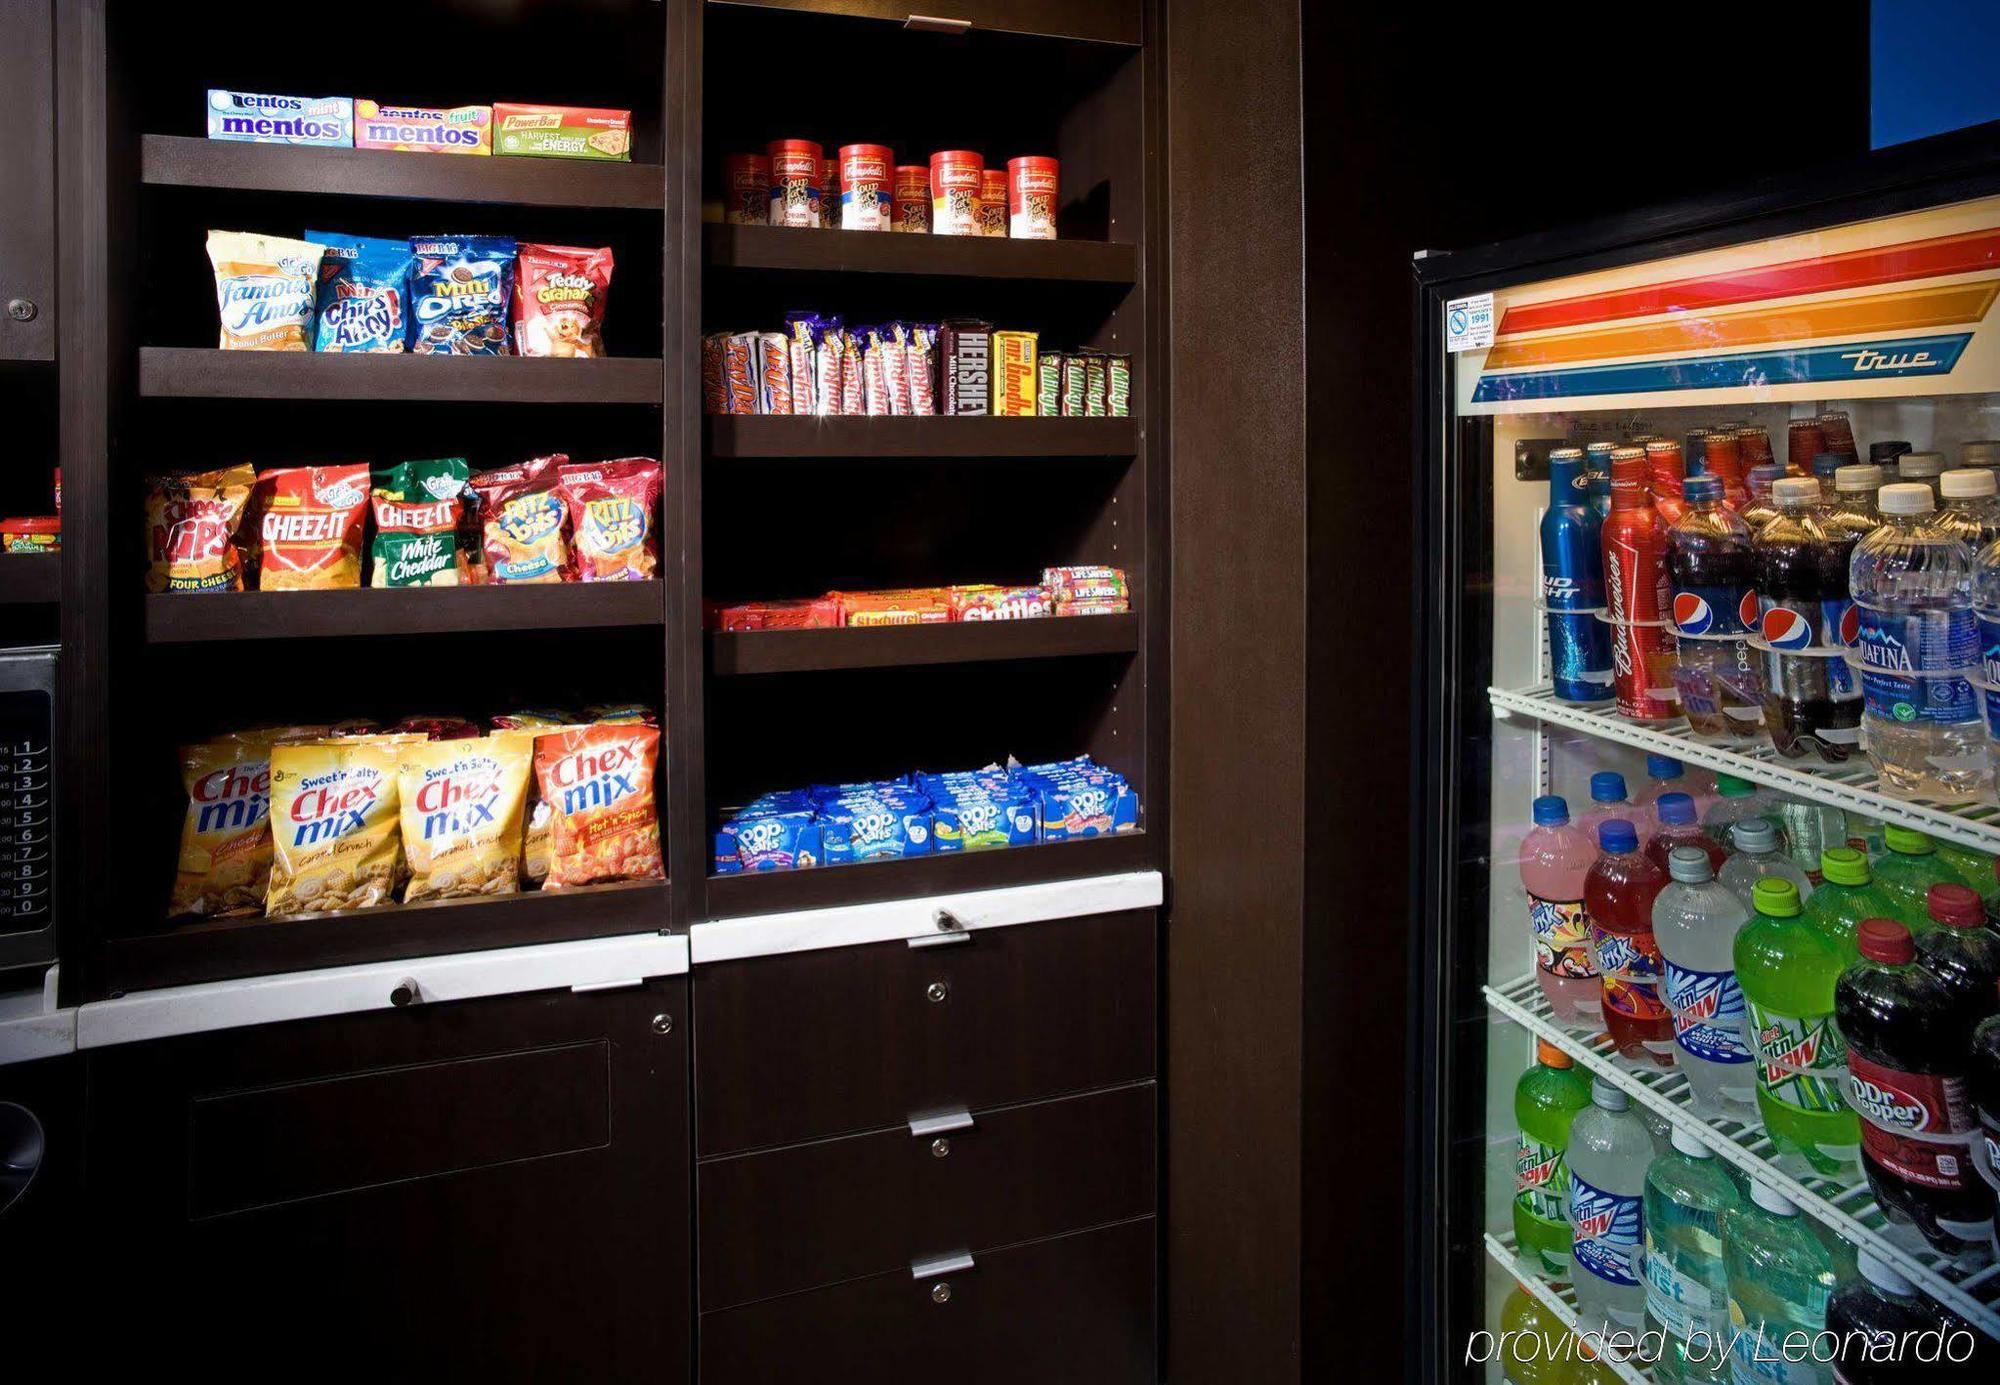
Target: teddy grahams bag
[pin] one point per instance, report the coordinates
(336, 838)
(598, 783)
(461, 806)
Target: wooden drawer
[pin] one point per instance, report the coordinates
(788, 1219)
(815, 1044)
(1073, 1309)
(1104, 21)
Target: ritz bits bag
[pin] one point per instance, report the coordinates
(461, 803)
(191, 526)
(603, 823)
(309, 522)
(612, 507)
(225, 861)
(524, 523)
(336, 834)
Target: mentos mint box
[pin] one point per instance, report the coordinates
(868, 829)
(248, 116)
(423, 129)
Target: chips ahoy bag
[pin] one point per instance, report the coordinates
(363, 293)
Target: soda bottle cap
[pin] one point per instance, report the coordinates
(1611, 1098)
(1907, 841)
(1888, 449)
(1689, 864)
(1827, 463)
(1771, 1200)
(1688, 1143)
(1607, 786)
(1882, 1274)
(1861, 476)
(1967, 483)
(1730, 786)
(1955, 906)
(1795, 490)
(1617, 836)
(1551, 810)
(1701, 490)
(1906, 498)
(1755, 835)
(1845, 865)
(1765, 473)
(1675, 809)
(1549, 1056)
(1565, 453)
(1600, 449)
(1664, 767)
(1884, 940)
(1776, 897)
(1920, 464)
(1983, 453)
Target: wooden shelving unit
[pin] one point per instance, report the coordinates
(30, 579)
(796, 651)
(182, 619)
(194, 372)
(767, 248)
(740, 436)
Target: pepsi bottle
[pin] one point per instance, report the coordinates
(1812, 700)
(1573, 583)
(1714, 579)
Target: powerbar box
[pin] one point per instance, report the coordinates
(561, 132)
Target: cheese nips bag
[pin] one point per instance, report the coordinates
(611, 508)
(265, 287)
(336, 840)
(309, 527)
(191, 530)
(524, 522)
(416, 523)
(559, 293)
(598, 783)
(461, 805)
(225, 860)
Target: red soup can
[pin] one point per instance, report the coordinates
(912, 210)
(795, 182)
(1031, 198)
(956, 177)
(993, 202)
(865, 189)
(749, 201)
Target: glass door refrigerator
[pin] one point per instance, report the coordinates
(1767, 342)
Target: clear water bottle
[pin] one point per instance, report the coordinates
(1687, 1288)
(1609, 1153)
(1854, 491)
(1780, 1278)
(1806, 830)
(1986, 608)
(1912, 584)
(1736, 799)
(1922, 469)
(1758, 857)
(1971, 510)
(1695, 920)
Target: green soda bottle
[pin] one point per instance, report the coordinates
(1907, 873)
(1847, 895)
(1538, 1348)
(1546, 1100)
(1974, 868)
(1787, 969)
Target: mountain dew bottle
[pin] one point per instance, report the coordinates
(1974, 868)
(1907, 873)
(1546, 1100)
(1847, 895)
(1787, 969)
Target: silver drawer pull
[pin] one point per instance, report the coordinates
(940, 1122)
(950, 929)
(933, 24)
(943, 1264)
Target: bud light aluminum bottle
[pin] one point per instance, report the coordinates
(1637, 595)
(1597, 461)
(1573, 583)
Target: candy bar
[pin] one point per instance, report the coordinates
(923, 370)
(1074, 391)
(852, 387)
(967, 350)
(774, 374)
(714, 393)
(1000, 603)
(1094, 385)
(874, 379)
(801, 338)
(1048, 384)
(828, 395)
(1118, 384)
(739, 372)
(818, 614)
(895, 348)
(1014, 374)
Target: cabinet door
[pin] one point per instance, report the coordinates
(27, 206)
(1105, 21)
(495, 1190)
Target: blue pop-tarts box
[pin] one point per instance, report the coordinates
(774, 841)
(869, 829)
(257, 119)
(974, 820)
(1091, 805)
(725, 861)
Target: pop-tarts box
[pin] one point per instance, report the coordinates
(774, 841)
(246, 115)
(972, 819)
(868, 829)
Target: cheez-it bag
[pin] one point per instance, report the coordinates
(309, 527)
(598, 783)
(336, 837)
(461, 805)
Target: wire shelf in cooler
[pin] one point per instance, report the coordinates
(1852, 785)
(1847, 1207)
(1559, 1299)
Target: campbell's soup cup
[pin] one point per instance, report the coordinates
(912, 208)
(1032, 185)
(956, 178)
(993, 202)
(865, 188)
(749, 201)
(795, 182)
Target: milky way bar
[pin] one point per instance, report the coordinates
(966, 349)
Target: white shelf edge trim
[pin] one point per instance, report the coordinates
(1505, 1254)
(1982, 1315)
(176, 1010)
(1847, 786)
(806, 930)
(32, 1025)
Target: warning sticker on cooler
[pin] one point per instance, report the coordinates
(1468, 323)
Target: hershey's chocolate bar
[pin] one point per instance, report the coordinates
(965, 347)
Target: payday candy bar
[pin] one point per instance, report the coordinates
(1014, 374)
(967, 351)
(714, 395)
(739, 373)
(774, 374)
(1000, 603)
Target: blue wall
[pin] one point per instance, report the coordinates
(1935, 66)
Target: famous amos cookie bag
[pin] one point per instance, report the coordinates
(191, 524)
(416, 523)
(225, 860)
(598, 783)
(265, 290)
(309, 525)
(559, 295)
(524, 522)
(363, 302)
(461, 802)
(336, 833)
(612, 507)
(461, 288)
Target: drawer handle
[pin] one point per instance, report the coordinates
(405, 992)
(940, 1122)
(931, 23)
(937, 992)
(937, 1265)
(950, 929)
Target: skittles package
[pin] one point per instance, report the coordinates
(363, 293)
(460, 291)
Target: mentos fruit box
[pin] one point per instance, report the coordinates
(245, 115)
(423, 129)
(561, 132)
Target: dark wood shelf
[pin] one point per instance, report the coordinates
(30, 579)
(182, 161)
(877, 252)
(784, 435)
(180, 618)
(1051, 637)
(196, 372)
(731, 896)
(220, 949)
